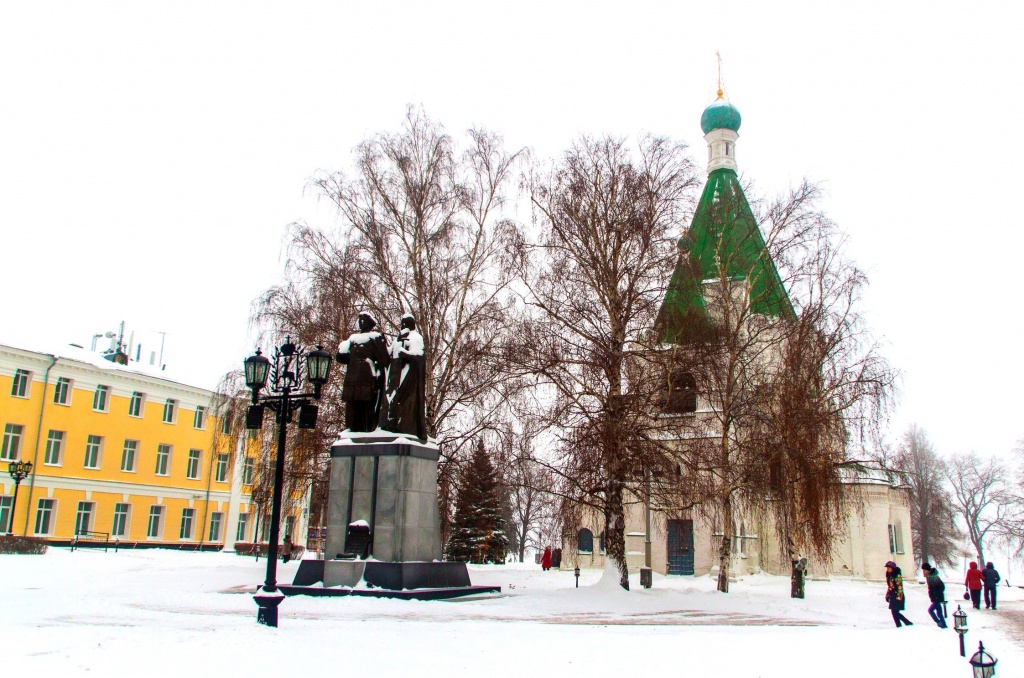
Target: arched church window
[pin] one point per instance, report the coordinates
(600, 541)
(585, 541)
(728, 148)
(682, 393)
(897, 530)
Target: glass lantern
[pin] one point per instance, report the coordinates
(983, 663)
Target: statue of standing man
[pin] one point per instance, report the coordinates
(405, 401)
(366, 354)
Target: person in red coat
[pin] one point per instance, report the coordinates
(545, 560)
(973, 582)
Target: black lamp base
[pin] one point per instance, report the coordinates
(267, 614)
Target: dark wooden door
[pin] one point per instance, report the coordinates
(680, 547)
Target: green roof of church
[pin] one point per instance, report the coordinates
(723, 229)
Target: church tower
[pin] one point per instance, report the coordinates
(723, 242)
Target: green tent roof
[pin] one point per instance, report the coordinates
(723, 230)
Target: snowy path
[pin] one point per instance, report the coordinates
(167, 613)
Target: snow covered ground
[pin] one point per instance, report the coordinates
(165, 613)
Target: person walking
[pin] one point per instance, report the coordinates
(973, 583)
(545, 560)
(894, 594)
(990, 578)
(286, 549)
(936, 594)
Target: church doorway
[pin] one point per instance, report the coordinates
(680, 547)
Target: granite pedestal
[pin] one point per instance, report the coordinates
(390, 482)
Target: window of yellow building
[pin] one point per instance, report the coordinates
(93, 451)
(156, 519)
(199, 420)
(5, 514)
(54, 448)
(62, 391)
(12, 442)
(170, 411)
(216, 519)
(163, 459)
(248, 467)
(188, 516)
(243, 527)
(83, 519)
(46, 508)
(129, 455)
(100, 399)
(222, 468)
(195, 458)
(136, 404)
(120, 526)
(20, 385)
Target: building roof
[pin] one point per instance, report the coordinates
(723, 235)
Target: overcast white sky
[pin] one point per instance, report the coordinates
(151, 154)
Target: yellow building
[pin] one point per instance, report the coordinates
(119, 452)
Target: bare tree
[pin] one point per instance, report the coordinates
(980, 497)
(594, 274)
(422, 228)
(932, 517)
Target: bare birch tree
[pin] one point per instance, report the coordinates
(980, 497)
(932, 516)
(594, 274)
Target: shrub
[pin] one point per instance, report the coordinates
(10, 543)
(247, 549)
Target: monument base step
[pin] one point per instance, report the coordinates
(414, 594)
(393, 576)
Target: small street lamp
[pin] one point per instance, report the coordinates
(983, 663)
(285, 375)
(577, 572)
(960, 626)
(19, 470)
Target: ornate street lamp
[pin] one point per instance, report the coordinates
(577, 572)
(19, 470)
(983, 663)
(960, 626)
(285, 377)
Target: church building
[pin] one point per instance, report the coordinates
(685, 543)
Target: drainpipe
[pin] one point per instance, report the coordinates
(35, 455)
(209, 478)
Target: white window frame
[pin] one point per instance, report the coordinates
(93, 445)
(125, 517)
(225, 425)
(163, 452)
(54, 452)
(21, 384)
(51, 514)
(130, 453)
(188, 519)
(6, 519)
(137, 404)
(216, 519)
(195, 462)
(101, 394)
(242, 531)
(10, 449)
(199, 418)
(156, 511)
(223, 461)
(86, 510)
(62, 391)
(170, 414)
(248, 470)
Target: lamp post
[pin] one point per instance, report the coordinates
(960, 626)
(983, 663)
(577, 572)
(19, 470)
(285, 374)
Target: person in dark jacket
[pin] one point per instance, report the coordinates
(936, 594)
(990, 578)
(894, 594)
(973, 583)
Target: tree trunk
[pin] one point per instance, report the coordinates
(615, 531)
(725, 548)
(797, 576)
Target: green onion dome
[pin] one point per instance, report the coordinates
(720, 115)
